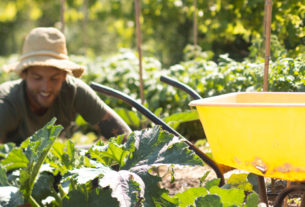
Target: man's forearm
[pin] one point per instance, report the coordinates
(111, 125)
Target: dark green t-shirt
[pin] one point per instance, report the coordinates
(17, 122)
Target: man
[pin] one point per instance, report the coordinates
(48, 89)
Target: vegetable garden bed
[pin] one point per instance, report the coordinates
(46, 172)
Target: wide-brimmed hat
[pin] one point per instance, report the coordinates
(46, 46)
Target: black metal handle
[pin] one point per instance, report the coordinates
(117, 94)
(181, 86)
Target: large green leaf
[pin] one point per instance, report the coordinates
(44, 187)
(240, 181)
(127, 187)
(6, 148)
(209, 184)
(229, 197)
(86, 174)
(10, 196)
(130, 117)
(15, 159)
(175, 119)
(188, 197)
(155, 147)
(3, 177)
(153, 192)
(41, 141)
(36, 151)
(111, 154)
(165, 201)
(208, 201)
(65, 156)
(252, 200)
(93, 198)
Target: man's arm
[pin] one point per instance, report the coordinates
(8, 121)
(89, 105)
(112, 125)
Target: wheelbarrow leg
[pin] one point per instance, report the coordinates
(288, 185)
(262, 190)
(303, 200)
(303, 196)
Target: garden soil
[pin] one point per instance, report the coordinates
(186, 177)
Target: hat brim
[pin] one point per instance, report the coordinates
(62, 64)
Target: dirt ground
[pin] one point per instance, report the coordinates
(190, 177)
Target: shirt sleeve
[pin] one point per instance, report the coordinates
(88, 104)
(8, 121)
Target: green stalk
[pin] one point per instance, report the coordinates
(61, 191)
(57, 198)
(33, 202)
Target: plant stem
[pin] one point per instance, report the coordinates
(57, 198)
(33, 202)
(61, 191)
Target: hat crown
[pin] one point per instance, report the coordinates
(44, 40)
(45, 46)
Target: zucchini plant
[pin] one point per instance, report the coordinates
(45, 171)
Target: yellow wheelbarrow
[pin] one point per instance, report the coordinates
(259, 132)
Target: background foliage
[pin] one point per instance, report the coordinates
(228, 56)
(207, 77)
(95, 27)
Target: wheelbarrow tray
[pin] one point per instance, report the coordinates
(260, 132)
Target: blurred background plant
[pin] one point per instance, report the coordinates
(95, 27)
(207, 77)
(229, 56)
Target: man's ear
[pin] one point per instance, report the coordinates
(23, 74)
(65, 75)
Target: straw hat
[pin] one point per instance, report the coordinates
(45, 46)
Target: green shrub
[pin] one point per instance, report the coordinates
(207, 77)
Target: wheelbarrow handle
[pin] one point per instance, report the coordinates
(182, 86)
(151, 116)
(117, 94)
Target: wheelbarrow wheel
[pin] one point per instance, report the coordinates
(284, 193)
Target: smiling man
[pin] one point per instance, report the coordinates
(49, 87)
(43, 86)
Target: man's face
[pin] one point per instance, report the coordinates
(43, 84)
